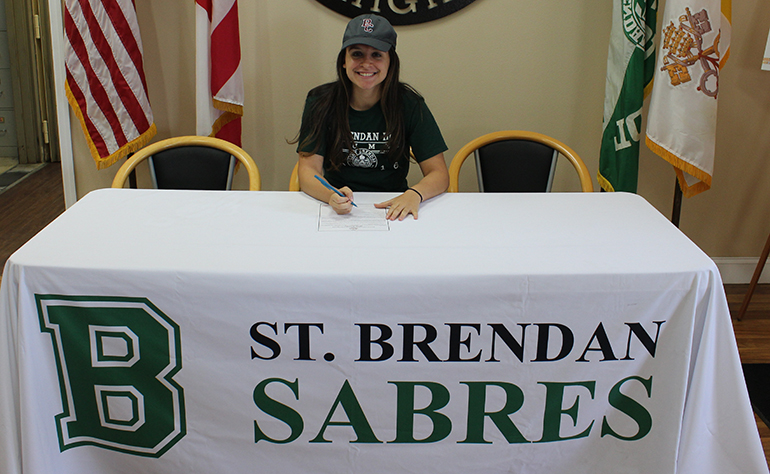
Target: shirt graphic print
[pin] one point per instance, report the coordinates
(369, 151)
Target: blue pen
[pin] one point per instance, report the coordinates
(329, 186)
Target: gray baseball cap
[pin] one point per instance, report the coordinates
(371, 30)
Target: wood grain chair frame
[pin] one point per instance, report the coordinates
(294, 179)
(184, 146)
(527, 143)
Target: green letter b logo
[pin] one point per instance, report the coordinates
(116, 358)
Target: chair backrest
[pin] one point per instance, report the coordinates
(516, 161)
(294, 179)
(191, 162)
(192, 167)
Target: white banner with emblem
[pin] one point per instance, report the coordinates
(766, 57)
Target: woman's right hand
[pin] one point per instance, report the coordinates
(340, 204)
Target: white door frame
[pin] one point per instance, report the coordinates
(62, 106)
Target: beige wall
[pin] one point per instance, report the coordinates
(495, 65)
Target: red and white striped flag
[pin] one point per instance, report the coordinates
(218, 70)
(105, 77)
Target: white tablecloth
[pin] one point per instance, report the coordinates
(176, 331)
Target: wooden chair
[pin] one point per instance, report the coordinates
(294, 179)
(516, 161)
(191, 162)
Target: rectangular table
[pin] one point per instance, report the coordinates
(182, 331)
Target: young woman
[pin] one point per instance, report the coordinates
(357, 132)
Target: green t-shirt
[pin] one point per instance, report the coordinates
(368, 168)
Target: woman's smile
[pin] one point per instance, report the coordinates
(366, 67)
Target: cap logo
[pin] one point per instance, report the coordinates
(368, 25)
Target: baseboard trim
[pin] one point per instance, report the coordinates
(737, 270)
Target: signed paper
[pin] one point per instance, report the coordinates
(364, 217)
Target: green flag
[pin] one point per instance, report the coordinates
(630, 67)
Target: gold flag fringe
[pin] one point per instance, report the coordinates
(107, 161)
(604, 183)
(228, 107)
(681, 167)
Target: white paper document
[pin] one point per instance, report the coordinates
(364, 217)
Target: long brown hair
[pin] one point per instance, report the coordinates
(327, 120)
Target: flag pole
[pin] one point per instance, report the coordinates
(203, 112)
(754, 279)
(677, 211)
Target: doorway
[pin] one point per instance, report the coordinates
(27, 137)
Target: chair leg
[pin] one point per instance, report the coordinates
(754, 279)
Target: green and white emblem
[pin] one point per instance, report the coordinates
(116, 358)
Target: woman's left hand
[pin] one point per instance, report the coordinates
(401, 206)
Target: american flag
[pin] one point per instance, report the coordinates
(105, 77)
(218, 70)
